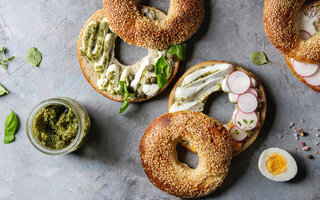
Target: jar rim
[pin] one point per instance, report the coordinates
(65, 101)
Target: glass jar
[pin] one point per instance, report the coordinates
(83, 125)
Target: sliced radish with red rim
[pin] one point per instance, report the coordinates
(304, 34)
(304, 69)
(253, 91)
(247, 102)
(238, 82)
(246, 121)
(314, 79)
(237, 134)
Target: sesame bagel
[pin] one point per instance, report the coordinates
(93, 75)
(183, 20)
(301, 78)
(160, 161)
(261, 110)
(279, 22)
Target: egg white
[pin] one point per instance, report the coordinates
(292, 167)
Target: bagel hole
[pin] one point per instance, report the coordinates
(187, 157)
(128, 54)
(160, 5)
(219, 107)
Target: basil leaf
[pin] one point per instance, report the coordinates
(11, 125)
(180, 50)
(33, 56)
(124, 91)
(11, 58)
(2, 50)
(161, 69)
(124, 106)
(249, 133)
(258, 58)
(3, 90)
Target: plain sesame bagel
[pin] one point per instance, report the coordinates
(160, 161)
(280, 26)
(105, 73)
(183, 20)
(220, 71)
(301, 78)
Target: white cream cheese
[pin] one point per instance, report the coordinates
(306, 20)
(110, 71)
(197, 86)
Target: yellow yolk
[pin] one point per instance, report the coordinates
(276, 164)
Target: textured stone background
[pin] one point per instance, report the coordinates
(108, 165)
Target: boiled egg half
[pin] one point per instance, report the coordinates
(277, 164)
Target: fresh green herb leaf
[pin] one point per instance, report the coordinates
(124, 91)
(236, 132)
(251, 121)
(245, 121)
(249, 133)
(11, 125)
(239, 123)
(162, 71)
(33, 56)
(2, 50)
(3, 90)
(258, 58)
(180, 50)
(3, 61)
(124, 106)
(11, 58)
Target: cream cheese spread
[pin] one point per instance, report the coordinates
(98, 43)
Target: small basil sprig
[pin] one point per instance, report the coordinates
(124, 91)
(161, 69)
(258, 58)
(33, 56)
(3, 61)
(11, 125)
(249, 133)
(3, 90)
(180, 50)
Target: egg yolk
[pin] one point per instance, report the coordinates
(276, 164)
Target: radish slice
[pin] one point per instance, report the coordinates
(314, 79)
(247, 102)
(304, 69)
(304, 34)
(253, 91)
(238, 82)
(246, 121)
(237, 134)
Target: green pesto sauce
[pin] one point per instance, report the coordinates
(55, 126)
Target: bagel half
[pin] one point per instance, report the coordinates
(262, 96)
(160, 161)
(279, 22)
(92, 76)
(301, 78)
(183, 20)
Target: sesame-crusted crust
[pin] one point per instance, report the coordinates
(160, 161)
(262, 96)
(279, 24)
(183, 20)
(92, 76)
(289, 63)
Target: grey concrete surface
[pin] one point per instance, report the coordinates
(108, 164)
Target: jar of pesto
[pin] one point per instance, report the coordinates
(58, 126)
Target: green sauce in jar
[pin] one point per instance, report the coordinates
(55, 126)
